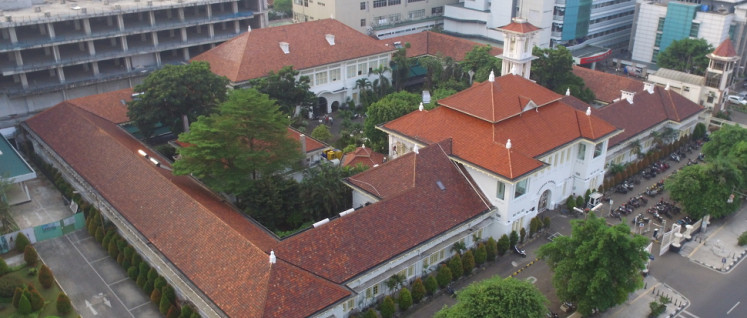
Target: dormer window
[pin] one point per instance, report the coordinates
(285, 46)
(581, 151)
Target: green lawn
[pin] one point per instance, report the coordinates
(50, 297)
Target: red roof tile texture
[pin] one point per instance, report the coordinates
(519, 27)
(254, 54)
(606, 87)
(432, 43)
(363, 156)
(110, 106)
(725, 49)
(482, 142)
(311, 143)
(372, 235)
(223, 253)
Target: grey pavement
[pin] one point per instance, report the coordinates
(717, 247)
(46, 205)
(95, 283)
(638, 302)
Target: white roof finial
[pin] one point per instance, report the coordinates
(363, 146)
(568, 91)
(667, 88)
(588, 111)
(249, 28)
(416, 149)
(508, 144)
(420, 108)
(491, 78)
(273, 259)
(515, 70)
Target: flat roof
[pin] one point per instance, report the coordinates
(12, 165)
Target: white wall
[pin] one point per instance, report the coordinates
(645, 35)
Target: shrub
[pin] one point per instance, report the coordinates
(168, 293)
(418, 290)
(522, 235)
(405, 299)
(533, 226)
(186, 312)
(580, 202)
(113, 250)
(21, 241)
(99, 236)
(159, 283)
(32, 271)
(481, 254)
(164, 305)
(121, 243)
(120, 258)
(128, 251)
(491, 247)
(513, 239)
(144, 268)
(8, 285)
(370, 313)
(155, 296)
(30, 256)
(17, 296)
(546, 222)
(431, 284)
(468, 262)
(387, 307)
(36, 299)
(142, 278)
(4, 269)
(24, 305)
(106, 239)
(46, 279)
(443, 276)
(152, 274)
(148, 287)
(570, 202)
(125, 262)
(64, 306)
(456, 266)
(742, 239)
(173, 312)
(503, 245)
(132, 272)
(136, 259)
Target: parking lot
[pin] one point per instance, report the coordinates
(95, 283)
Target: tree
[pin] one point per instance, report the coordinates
(21, 241)
(705, 189)
(246, 139)
(686, 55)
(481, 254)
(443, 276)
(274, 202)
(46, 279)
(370, 313)
(322, 194)
(513, 238)
(456, 266)
(497, 297)
(401, 67)
(322, 133)
(30, 256)
(730, 143)
(4, 269)
(386, 109)
(597, 266)
(491, 247)
(468, 262)
(554, 70)
(288, 91)
(504, 243)
(699, 131)
(481, 62)
(405, 299)
(381, 85)
(431, 284)
(64, 306)
(284, 6)
(387, 307)
(175, 95)
(418, 290)
(24, 305)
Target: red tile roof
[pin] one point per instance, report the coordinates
(519, 26)
(607, 87)
(109, 106)
(311, 143)
(482, 142)
(363, 156)
(372, 235)
(647, 111)
(222, 252)
(725, 49)
(432, 43)
(254, 54)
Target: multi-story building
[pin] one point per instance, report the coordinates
(56, 50)
(658, 24)
(380, 18)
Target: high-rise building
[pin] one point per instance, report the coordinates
(52, 51)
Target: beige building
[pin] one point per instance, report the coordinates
(380, 18)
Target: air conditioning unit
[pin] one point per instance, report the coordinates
(47, 14)
(37, 9)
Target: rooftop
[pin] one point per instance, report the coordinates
(680, 76)
(12, 166)
(433, 43)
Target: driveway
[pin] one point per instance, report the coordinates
(95, 283)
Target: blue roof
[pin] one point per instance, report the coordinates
(12, 165)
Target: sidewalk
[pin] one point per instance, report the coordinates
(638, 302)
(717, 247)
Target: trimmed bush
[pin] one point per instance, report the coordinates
(164, 306)
(580, 202)
(418, 290)
(107, 238)
(64, 306)
(148, 288)
(431, 284)
(387, 307)
(443, 276)
(195, 315)
(8, 286)
(503, 245)
(36, 299)
(152, 274)
(128, 251)
(513, 239)
(132, 272)
(186, 312)
(125, 262)
(142, 278)
(30, 256)
(121, 243)
(144, 268)
(136, 259)
(21, 241)
(113, 250)
(24, 305)
(168, 293)
(17, 296)
(405, 299)
(159, 283)
(522, 235)
(99, 236)
(155, 296)
(491, 248)
(742, 239)
(370, 313)
(456, 267)
(120, 258)
(46, 279)
(468, 262)
(481, 254)
(4, 269)
(173, 312)
(533, 226)
(546, 222)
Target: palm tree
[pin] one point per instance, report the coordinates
(635, 147)
(362, 84)
(433, 70)
(382, 84)
(401, 64)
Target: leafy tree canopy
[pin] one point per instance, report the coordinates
(705, 189)
(386, 109)
(480, 61)
(497, 297)
(175, 91)
(286, 89)
(283, 6)
(554, 70)
(686, 55)
(598, 265)
(246, 139)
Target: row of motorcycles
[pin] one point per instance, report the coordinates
(629, 206)
(656, 168)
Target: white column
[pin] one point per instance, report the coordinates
(61, 75)
(688, 232)
(184, 34)
(13, 35)
(120, 22)
(91, 49)
(50, 28)
(24, 80)
(95, 67)
(124, 43)
(19, 58)
(56, 52)
(87, 26)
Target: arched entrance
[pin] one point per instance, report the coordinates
(321, 107)
(335, 106)
(542, 205)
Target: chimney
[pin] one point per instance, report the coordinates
(627, 95)
(302, 139)
(285, 46)
(330, 38)
(649, 87)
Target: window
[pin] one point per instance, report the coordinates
(372, 291)
(363, 5)
(425, 263)
(500, 193)
(334, 75)
(298, 2)
(351, 71)
(363, 22)
(437, 10)
(521, 188)
(694, 29)
(598, 149)
(581, 151)
(379, 3)
(660, 27)
(434, 258)
(305, 3)
(411, 270)
(411, 1)
(657, 43)
(654, 55)
(320, 78)
(361, 67)
(394, 2)
(373, 64)
(348, 305)
(417, 14)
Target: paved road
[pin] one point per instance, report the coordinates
(95, 283)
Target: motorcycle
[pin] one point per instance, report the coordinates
(519, 251)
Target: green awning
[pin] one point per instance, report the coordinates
(12, 165)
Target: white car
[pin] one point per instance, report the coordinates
(737, 99)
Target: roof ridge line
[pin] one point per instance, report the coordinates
(461, 172)
(671, 103)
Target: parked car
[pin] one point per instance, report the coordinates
(736, 99)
